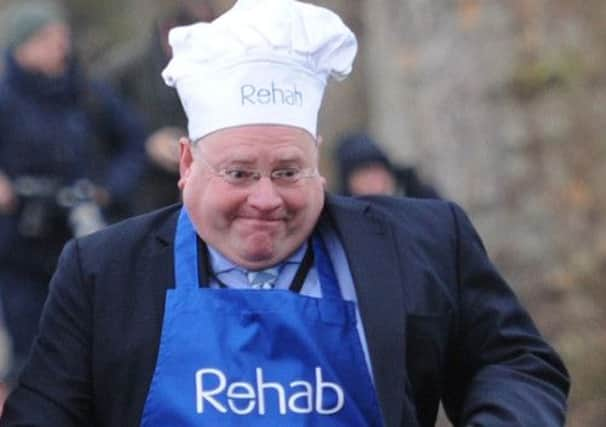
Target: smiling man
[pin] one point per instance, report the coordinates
(264, 301)
(255, 221)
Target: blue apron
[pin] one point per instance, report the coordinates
(239, 357)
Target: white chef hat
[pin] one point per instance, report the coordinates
(262, 62)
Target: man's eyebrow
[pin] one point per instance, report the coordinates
(244, 159)
(289, 159)
(237, 160)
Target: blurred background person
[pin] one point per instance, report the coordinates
(365, 169)
(140, 81)
(69, 147)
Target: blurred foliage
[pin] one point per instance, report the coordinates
(535, 76)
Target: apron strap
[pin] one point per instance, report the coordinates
(185, 253)
(303, 270)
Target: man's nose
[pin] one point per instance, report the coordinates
(263, 195)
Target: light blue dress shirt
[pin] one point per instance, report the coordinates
(235, 277)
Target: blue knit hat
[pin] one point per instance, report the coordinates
(28, 17)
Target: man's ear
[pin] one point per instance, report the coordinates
(319, 140)
(186, 158)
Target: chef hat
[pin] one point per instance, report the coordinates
(262, 62)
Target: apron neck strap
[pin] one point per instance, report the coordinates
(185, 253)
(304, 268)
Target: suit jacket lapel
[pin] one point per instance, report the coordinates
(158, 276)
(371, 251)
(160, 260)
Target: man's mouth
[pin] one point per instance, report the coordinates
(264, 220)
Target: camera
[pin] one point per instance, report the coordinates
(44, 199)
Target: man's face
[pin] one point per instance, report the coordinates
(47, 51)
(372, 179)
(260, 224)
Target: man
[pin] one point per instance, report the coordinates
(141, 82)
(364, 169)
(60, 135)
(264, 302)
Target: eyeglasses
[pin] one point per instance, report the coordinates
(245, 177)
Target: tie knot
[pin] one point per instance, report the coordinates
(263, 279)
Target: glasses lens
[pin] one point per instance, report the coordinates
(239, 176)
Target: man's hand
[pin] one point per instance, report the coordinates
(162, 148)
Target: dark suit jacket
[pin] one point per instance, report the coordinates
(440, 323)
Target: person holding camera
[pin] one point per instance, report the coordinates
(69, 147)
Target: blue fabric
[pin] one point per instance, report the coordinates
(273, 357)
(234, 277)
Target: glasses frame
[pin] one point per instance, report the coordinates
(256, 175)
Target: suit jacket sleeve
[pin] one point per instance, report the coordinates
(55, 389)
(501, 373)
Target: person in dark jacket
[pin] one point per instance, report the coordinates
(63, 140)
(365, 169)
(140, 82)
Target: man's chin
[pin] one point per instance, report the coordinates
(260, 254)
(258, 261)
(258, 248)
